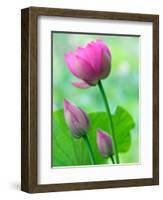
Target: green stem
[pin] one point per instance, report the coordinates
(111, 121)
(89, 149)
(112, 159)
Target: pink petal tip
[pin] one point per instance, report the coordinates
(82, 85)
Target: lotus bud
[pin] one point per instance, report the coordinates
(76, 119)
(104, 143)
(90, 64)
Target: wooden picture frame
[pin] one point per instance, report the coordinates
(29, 110)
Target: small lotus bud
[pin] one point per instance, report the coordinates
(76, 119)
(104, 143)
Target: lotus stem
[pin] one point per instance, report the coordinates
(89, 149)
(111, 121)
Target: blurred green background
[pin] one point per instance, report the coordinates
(121, 87)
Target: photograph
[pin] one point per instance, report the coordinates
(90, 99)
(95, 99)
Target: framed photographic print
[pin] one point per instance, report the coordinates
(90, 99)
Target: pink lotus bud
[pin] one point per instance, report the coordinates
(104, 142)
(90, 64)
(76, 119)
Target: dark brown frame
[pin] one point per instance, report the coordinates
(29, 98)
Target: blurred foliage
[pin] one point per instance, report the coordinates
(121, 87)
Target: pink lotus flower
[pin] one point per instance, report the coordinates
(76, 119)
(90, 64)
(104, 143)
